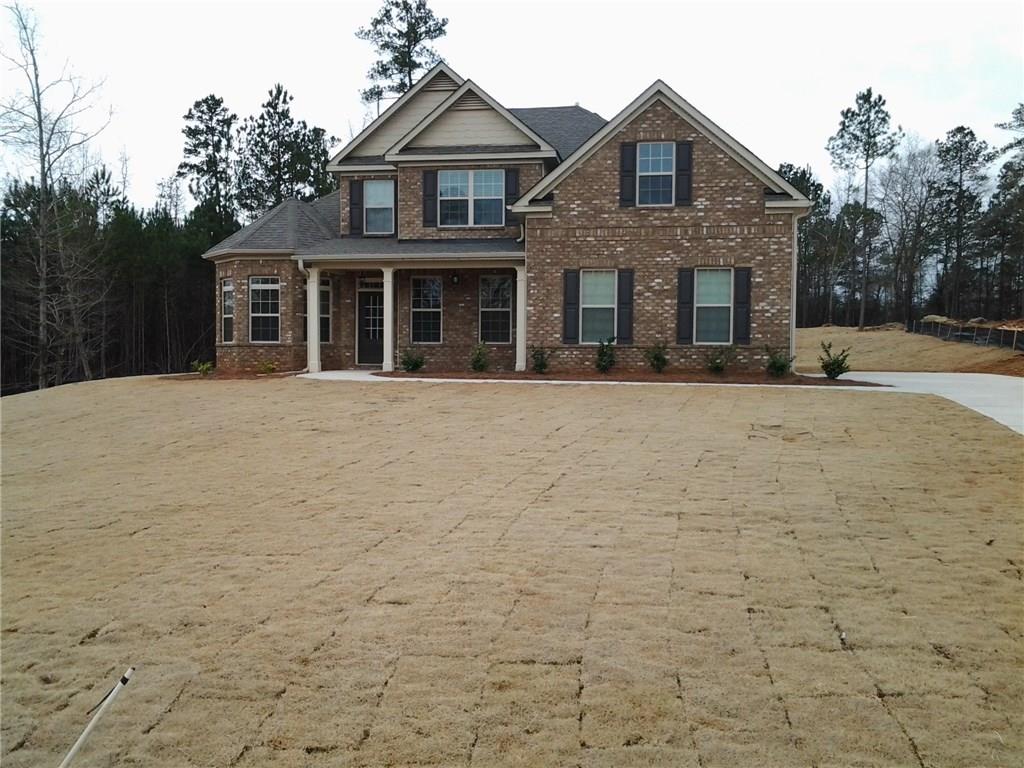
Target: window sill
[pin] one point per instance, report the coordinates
(457, 227)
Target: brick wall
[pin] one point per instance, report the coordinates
(410, 203)
(725, 226)
(460, 318)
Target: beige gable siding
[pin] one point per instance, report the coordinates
(403, 121)
(470, 124)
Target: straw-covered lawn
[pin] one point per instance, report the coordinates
(334, 574)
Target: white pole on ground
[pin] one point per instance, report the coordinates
(104, 706)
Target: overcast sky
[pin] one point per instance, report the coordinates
(773, 74)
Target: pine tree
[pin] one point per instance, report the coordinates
(208, 163)
(864, 138)
(400, 34)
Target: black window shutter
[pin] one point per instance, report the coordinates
(741, 305)
(684, 172)
(511, 194)
(430, 198)
(627, 174)
(624, 323)
(394, 202)
(684, 308)
(355, 207)
(571, 307)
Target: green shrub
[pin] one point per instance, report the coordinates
(779, 362)
(657, 356)
(267, 366)
(717, 359)
(539, 359)
(606, 355)
(834, 365)
(478, 360)
(203, 367)
(411, 360)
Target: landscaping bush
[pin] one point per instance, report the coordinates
(606, 355)
(539, 359)
(203, 368)
(478, 359)
(717, 359)
(267, 367)
(411, 360)
(779, 362)
(834, 365)
(657, 356)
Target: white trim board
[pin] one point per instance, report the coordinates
(393, 109)
(468, 86)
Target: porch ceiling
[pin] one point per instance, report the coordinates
(361, 250)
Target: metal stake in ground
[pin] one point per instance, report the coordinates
(103, 707)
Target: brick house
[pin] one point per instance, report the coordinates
(459, 221)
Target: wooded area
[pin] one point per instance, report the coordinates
(93, 286)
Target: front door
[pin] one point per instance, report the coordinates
(370, 349)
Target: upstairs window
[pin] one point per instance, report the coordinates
(496, 310)
(712, 306)
(379, 207)
(597, 305)
(227, 311)
(655, 173)
(471, 198)
(426, 310)
(264, 309)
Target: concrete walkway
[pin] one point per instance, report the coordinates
(1000, 398)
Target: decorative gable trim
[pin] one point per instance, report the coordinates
(440, 78)
(469, 96)
(657, 92)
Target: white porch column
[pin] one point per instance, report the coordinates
(521, 318)
(313, 319)
(389, 318)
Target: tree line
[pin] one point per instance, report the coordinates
(94, 286)
(911, 227)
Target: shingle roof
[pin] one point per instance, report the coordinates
(564, 128)
(288, 226)
(382, 247)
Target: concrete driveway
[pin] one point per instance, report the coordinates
(1001, 398)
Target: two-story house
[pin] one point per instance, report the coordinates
(459, 221)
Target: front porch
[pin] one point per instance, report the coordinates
(371, 312)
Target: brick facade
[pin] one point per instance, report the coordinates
(725, 226)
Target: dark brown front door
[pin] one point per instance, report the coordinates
(371, 328)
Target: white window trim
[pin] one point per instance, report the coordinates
(224, 283)
(379, 207)
(326, 285)
(265, 314)
(481, 309)
(614, 307)
(672, 173)
(732, 302)
(469, 215)
(413, 310)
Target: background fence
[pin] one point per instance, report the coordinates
(971, 334)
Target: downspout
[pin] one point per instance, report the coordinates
(302, 268)
(522, 232)
(792, 293)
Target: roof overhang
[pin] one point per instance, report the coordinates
(440, 68)
(467, 87)
(248, 253)
(423, 260)
(343, 169)
(657, 92)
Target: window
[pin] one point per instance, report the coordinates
(325, 311)
(655, 173)
(378, 207)
(426, 310)
(227, 311)
(471, 198)
(712, 306)
(597, 305)
(496, 310)
(264, 309)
